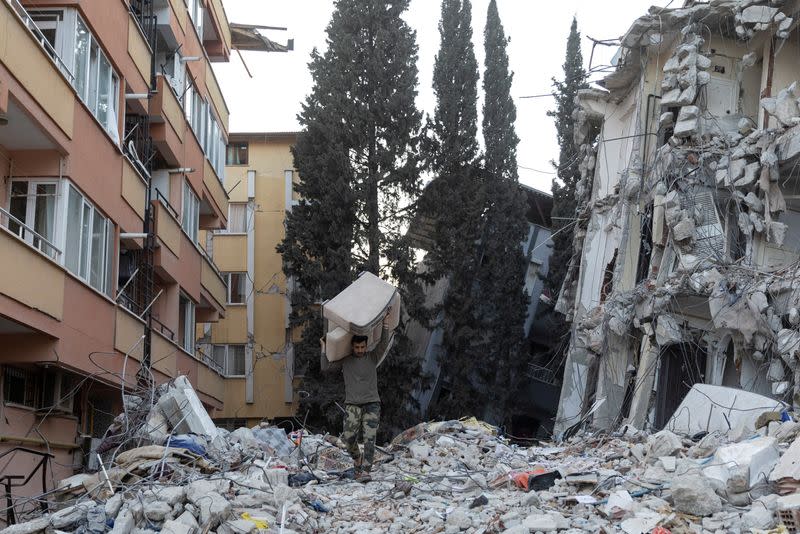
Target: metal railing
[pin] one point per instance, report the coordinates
(29, 235)
(16, 481)
(541, 374)
(29, 23)
(164, 201)
(137, 143)
(142, 11)
(162, 329)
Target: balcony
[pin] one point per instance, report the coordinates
(34, 64)
(230, 252)
(213, 292)
(169, 235)
(168, 123)
(215, 200)
(33, 277)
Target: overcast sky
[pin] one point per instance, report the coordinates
(270, 100)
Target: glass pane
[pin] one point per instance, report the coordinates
(218, 357)
(72, 246)
(45, 214)
(235, 363)
(182, 305)
(81, 58)
(236, 282)
(18, 207)
(85, 240)
(189, 341)
(103, 90)
(237, 217)
(94, 69)
(97, 261)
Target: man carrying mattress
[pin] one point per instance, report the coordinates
(362, 402)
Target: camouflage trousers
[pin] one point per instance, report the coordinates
(361, 424)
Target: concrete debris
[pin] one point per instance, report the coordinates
(449, 476)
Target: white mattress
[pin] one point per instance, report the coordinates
(361, 305)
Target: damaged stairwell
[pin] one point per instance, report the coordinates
(687, 233)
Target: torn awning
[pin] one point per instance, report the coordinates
(247, 37)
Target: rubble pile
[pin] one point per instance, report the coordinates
(451, 477)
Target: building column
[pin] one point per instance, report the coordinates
(249, 360)
(644, 379)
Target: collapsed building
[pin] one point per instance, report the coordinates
(687, 236)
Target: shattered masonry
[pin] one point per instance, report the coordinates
(687, 239)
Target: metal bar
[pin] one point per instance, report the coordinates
(126, 283)
(10, 520)
(29, 23)
(31, 230)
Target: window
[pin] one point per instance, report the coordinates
(68, 38)
(88, 243)
(237, 288)
(237, 218)
(186, 323)
(174, 70)
(236, 153)
(195, 8)
(20, 386)
(33, 203)
(229, 359)
(191, 212)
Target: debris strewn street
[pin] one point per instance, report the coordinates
(448, 476)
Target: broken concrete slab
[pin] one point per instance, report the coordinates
(754, 458)
(708, 408)
(694, 495)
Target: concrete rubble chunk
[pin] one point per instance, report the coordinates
(176, 527)
(684, 229)
(664, 443)
(758, 14)
(694, 495)
(29, 527)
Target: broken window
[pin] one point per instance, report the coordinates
(608, 278)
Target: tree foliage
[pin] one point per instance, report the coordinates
(358, 161)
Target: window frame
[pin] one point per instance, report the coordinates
(189, 321)
(238, 146)
(30, 214)
(225, 366)
(85, 257)
(244, 225)
(191, 211)
(229, 280)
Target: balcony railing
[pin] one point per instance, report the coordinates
(142, 11)
(29, 235)
(162, 329)
(138, 144)
(39, 36)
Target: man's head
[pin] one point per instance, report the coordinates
(359, 344)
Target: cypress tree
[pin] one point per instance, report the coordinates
(482, 368)
(358, 162)
(567, 173)
(453, 201)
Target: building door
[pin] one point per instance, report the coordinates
(681, 367)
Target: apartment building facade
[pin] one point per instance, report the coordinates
(252, 345)
(112, 145)
(686, 245)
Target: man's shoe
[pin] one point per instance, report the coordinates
(363, 477)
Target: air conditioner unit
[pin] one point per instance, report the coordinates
(57, 393)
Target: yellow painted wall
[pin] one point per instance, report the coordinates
(133, 188)
(212, 281)
(269, 159)
(33, 68)
(30, 278)
(164, 355)
(138, 49)
(181, 14)
(230, 252)
(231, 329)
(129, 331)
(172, 110)
(168, 230)
(236, 182)
(214, 186)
